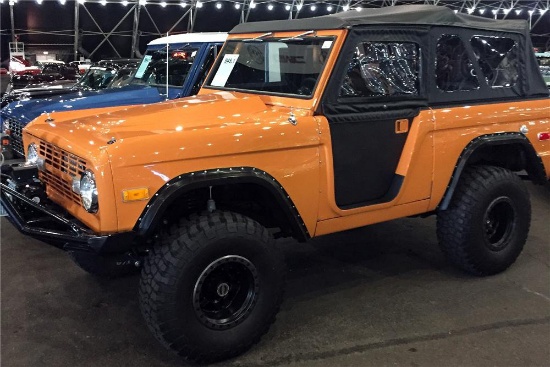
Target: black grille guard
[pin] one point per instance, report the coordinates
(54, 228)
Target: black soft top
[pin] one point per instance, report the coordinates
(403, 14)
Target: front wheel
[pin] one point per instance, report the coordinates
(486, 225)
(212, 286)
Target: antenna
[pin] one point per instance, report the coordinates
(167, 61)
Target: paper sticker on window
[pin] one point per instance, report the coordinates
(326, 44)
(225, 68)
(143, 66)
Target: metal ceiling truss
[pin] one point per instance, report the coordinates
(536, 11)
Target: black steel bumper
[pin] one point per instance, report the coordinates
(49, 223)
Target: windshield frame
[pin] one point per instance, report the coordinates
(285, 36)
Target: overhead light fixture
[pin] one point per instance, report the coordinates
(62, 2)
(299, 7)
(531, 12)
(471, 10)
(252, 5)
(39, 2)
(287, 7)
(481, 11)
(359, 8)
(237, 6)
(329, 8)
(124, 2)
(103, 2)
(218, 5)
(506, 11)
(163, 4)
(518, 11)
(456, 11)
(143, 2)
(313, 8)
(494, 11)
(542, 11)
(199, 4)
(345, 8)
(270, 7)
(183, 4)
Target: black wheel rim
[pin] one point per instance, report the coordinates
(499, 221)
(226, 292)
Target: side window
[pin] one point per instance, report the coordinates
(382, 69)
(454, 69)
(498, 60)
(205, 68)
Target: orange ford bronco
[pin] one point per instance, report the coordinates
(303, 128)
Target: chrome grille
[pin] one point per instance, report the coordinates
(16, 128)
(60, 168)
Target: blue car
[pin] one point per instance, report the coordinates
(188, 57)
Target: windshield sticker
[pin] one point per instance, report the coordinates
(143, 66)
(326, 44)
(226, 66)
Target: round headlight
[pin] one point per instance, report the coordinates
(33, 158)
(88, 192)
(32, 154)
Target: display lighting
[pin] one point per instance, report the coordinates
(542, 11)
(270, 7)
(62, 2)
(287, 7)
(218, 5)
(299, 7)
(103, 2)
(183, 4)
(252, 5)
(494, 11)
(518, 11)
(124, 3)
(507, 11)
(163, 4)
(313, 8)
(39, 2)
(345, 8)
(481, 11)
(237, 6)
(531, 12)
(329, 8)
(199, 4)
(471, 10)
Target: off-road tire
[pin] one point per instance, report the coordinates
(187, 261)
(485, 227)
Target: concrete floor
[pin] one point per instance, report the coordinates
(377, 296)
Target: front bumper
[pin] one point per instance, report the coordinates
(48, 222)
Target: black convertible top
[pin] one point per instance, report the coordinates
(403, 14)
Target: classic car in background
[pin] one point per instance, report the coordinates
(104, 74)
(189, 57)
(82, 66)
(543, 59)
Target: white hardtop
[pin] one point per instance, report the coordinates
(190, 38)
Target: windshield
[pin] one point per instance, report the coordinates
(152, 70)
(97, 78)
(273, 66)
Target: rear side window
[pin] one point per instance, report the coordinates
(382, 69)
(454, 70)
(498, 60)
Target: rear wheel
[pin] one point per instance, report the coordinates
(486, 225)
(212, 286)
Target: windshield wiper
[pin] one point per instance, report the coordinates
(259, 38)
(298, 37)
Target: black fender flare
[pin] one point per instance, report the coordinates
(176, 187)
(535, 167)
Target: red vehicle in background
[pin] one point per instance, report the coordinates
(20, 66)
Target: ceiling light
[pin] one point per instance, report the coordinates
(270, 7)
(471, 10)
(518, 11)
(103, 2)
(237, 6)
(163, 4)
(183, 4)
(506, 11)
(39, 2)
(218, 5)
(287, 7)
(345, 8)
(142, 2)
(494, 11)
(299, 7)
(312, 7)
(542, 11)
(62, 2)
(359, 8)
(252, 4)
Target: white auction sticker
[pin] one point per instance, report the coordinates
(225, 68)
(326, 44)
